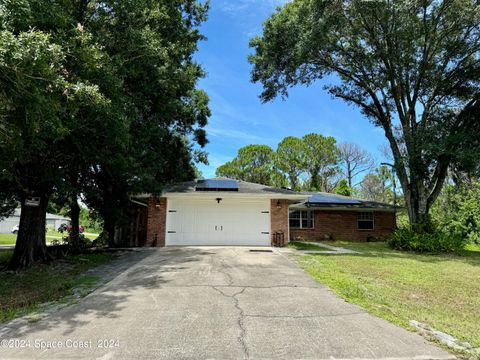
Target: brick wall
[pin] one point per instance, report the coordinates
(279, 217)
(156, 219)
(343, 226)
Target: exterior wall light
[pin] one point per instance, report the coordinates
(279, 205)
(218, 200)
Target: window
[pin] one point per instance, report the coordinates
(301, 219)
(365, 220)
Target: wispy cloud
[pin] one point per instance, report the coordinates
(238, 6)
(237, 135)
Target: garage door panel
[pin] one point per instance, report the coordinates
(206, 222)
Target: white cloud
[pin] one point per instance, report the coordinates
(241, 136)
(234, 7)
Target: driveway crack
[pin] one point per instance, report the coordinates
(223, 271)
(240, 321)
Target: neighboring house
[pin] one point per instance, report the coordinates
(8, 223)
(231, 212)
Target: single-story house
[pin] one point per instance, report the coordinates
(52, 220)
(233, 212)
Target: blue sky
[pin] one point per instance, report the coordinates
(238, 117)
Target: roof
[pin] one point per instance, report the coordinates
(48, 217)
(244, 188)
(300, 200)
(327, 200)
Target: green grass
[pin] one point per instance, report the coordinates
(302, 246)
(10, 239)
(22, 292)
(442, 291)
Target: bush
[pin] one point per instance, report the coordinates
(101, 240)
(457, 210)
(434, 242)
(77, 245)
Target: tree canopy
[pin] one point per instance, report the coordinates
(253, 163)
(98, 99)
(307, 163)
(321, 158)
(411, 67)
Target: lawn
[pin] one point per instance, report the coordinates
(442, 291)
(303, 246)
(23, 292)
(10, 239)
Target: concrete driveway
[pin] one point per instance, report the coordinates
(220, 303)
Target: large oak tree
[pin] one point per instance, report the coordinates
(97, 98)
(411, 66)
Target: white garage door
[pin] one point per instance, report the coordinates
(208, 222)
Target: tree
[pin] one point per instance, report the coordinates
(151, 45)
(372, 188)
(290, 159)
(38, 106)
(253, 163)
(377, 186)
(342, 188)
(96, 98)
(321, 157)
(355, 160)
(410, 66)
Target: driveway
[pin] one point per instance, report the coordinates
(220, 303)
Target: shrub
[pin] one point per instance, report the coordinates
(434, 241)
(101, 240)
(77, 245)
(457, 210)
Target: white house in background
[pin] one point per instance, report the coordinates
(52, 220)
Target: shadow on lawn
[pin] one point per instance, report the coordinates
(142, 269)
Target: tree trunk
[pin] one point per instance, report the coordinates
(315, 182)
(416, 202)
(30, 246)
(75, 222)
(293, 181)
(349, 174)
(109, 227)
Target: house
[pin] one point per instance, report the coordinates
(231, 212)
(51, 220)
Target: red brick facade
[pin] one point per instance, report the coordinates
(156, 219)
(279, 218)
(342, 225)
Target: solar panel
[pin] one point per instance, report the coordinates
(331, 199)
(216, 185)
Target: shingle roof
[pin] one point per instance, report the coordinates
(243, 187)
(310, 199)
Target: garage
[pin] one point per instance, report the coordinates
(218, 221)
(210, 212)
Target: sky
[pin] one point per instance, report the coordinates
(238, 116)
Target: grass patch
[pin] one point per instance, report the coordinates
(439, 290)
(302, 246)
(11, 239)
(8, 239)
(22, 292)
(5, 257)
